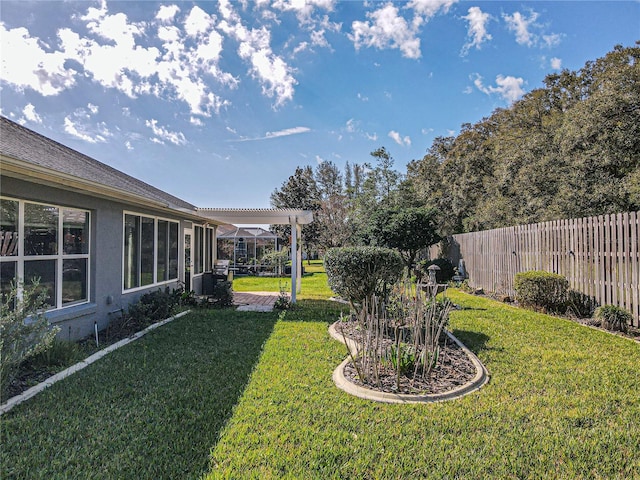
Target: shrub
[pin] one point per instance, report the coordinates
(357, 273)
(153, 306)
(580, 305)
(150, 308)
(24, 330)
(613, 318)
(542, 290)
(446, 273)
(222, 295)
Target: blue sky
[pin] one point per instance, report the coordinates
(218, 102)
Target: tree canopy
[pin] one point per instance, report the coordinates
(570, 148)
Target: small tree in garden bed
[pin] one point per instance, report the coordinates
(358, 273)
(409, 230)
(542, 290)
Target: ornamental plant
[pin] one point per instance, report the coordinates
(402, 335)
(24, 330)
(358, 273)
(613, 318)
(542, 290)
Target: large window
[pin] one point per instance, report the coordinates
(203, 243)
(150, 251)
(47, 244)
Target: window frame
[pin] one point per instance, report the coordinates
(154, 274)
(59, 258)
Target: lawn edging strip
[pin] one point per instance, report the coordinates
(27, 394)
(480, 379)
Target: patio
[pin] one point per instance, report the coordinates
(255, 301)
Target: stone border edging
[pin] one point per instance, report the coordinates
(27, 394)
(479, 380)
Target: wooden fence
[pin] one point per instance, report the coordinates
(599, 256)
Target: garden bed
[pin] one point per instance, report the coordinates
(457, 372)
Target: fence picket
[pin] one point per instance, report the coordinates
(599, 256)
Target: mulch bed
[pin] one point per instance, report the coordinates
(454, 369)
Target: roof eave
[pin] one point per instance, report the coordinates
(12, 167)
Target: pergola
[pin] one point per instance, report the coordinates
(272, 216)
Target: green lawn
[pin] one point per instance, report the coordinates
(245, 395)
(563, 402)
(313, 282)
(150, 410)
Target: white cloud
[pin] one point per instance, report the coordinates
(556, 63)
(92, 108)
(26, 64)
(119, 54)
(399, 139)
(351, 126)
(288, 131)
(363, 97)
(81, 132)
(271, 70)
(301, 48)
(387, 29)
(371, 136)
(509, 88)
(477, 30)
(525, 28)
(161, 133)
(128, 145)
(551, 40)
(303, 9)
(166, 13)
(520, 25)
(269, 135)
(198, 22)
(29, 112)
(426, 9)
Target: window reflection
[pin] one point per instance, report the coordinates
(40, 229)
(75, 224)
(43, 272)
(74, 280)
(7, 277)
(8, 228)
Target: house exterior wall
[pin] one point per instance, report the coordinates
(107, 299)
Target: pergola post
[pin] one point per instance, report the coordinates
(294, 258)
(299, 260)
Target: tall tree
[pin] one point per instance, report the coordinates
(335, 229)
(299, 191)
